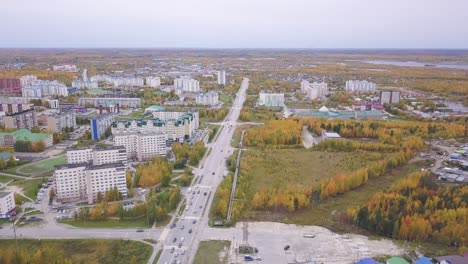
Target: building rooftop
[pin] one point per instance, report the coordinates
(24, 134)
(3, 194)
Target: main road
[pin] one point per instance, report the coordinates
(180, 240)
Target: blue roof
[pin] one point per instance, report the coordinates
(423, 260)
(368, 261)
(5, 155)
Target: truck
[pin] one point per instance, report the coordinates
(248, 258)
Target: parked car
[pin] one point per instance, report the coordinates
(286, 247)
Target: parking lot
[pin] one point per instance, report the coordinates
(306, 243)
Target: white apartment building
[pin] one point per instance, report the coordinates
(314, 90)
(271, 99)
(119, 81)
(186, 84)
(44, 88)
(209, 98)
(57, 122)
(84, 181)
(65, 67)
(360, 86)
(222, 77)
(97, 155)
(80, 84)
(153, 81)
(27, 80)
(141, 145)
(175, 129)
(7, 204)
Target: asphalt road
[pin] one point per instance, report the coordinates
(195, 217)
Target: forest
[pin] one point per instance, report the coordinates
(152, 172)
(417, 209)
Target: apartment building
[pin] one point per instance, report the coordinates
(314, 90)
(91, 170)
(175, 129)
(153, 81)
(389, 97)
(10, 85)
(57, 122)
(186, 84)
(12, 108)
(360, 86)
(27, 80)
(41, 88)
(83, 181)
(7, 205)
(80, 84)
(209, 98)
(26, 119)
(100, 124)
(121, 101)
(141, 145)
(221, 77)
(271, 99)
(97, 155)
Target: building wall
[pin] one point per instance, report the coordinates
(100, 124)
(124, 102)
(142, 146)
(7, 204)
(221, 77)
(271, 99)
(10, 85)
(24, 120)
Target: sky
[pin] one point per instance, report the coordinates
(399, 24)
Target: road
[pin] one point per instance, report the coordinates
(181, 239)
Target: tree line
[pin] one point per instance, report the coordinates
(417, 209)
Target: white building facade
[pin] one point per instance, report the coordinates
(80, 84)
(360, 86)
(209, 98)
(271, 99)
(97, 155)
(57, 122)
(7, 204)
(314, 90)
(44, 88)
(141, 145)
(27, 80)
(185, 84)
(153, 82)
(221, 77)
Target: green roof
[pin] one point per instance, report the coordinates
(396, 260)
(24, 134)
(157, 108)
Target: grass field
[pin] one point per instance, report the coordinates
(226, 99)
(298, 168)
(209, 252)
(30, 188)
(137, 223)
(86, 251)
(43, 166)
(4, 178)
(237, 134)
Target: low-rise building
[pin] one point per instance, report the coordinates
(8, 139)
(7, 205)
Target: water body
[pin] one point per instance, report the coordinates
(416, 64)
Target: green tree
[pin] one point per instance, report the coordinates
(3, 163)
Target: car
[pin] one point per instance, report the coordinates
(176, 254)
(182, 239)
(190, 231)
(194, 221)
(183, 252)
(213, 173)
(205, 193)
(173, 261)
(182, 227)
(286, 247)
(174, 240)
(180, 245)
(198, 192)
(191, 198)
(173, 225)
(201, 206)
(193, 192)
(140, 230)
(195, 212)
(186, 207)
(191, 203)
(172, 249)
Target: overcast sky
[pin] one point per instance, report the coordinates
(235, 23)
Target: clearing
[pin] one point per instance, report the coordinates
(42, 166)
(213, 252)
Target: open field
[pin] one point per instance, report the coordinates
(211, 252)
(30, 187)
(85, 251)
(137, 223)
(237, 134)
(326, 213)
(4, 178)
(226, 99)
(299, 168)
(43, 166)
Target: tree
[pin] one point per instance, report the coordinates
(35, 129)
(134, 260)
(52, 194)
(128, 179)
(11, 161)
(99, 197)
(166, 179)
(3, 163)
